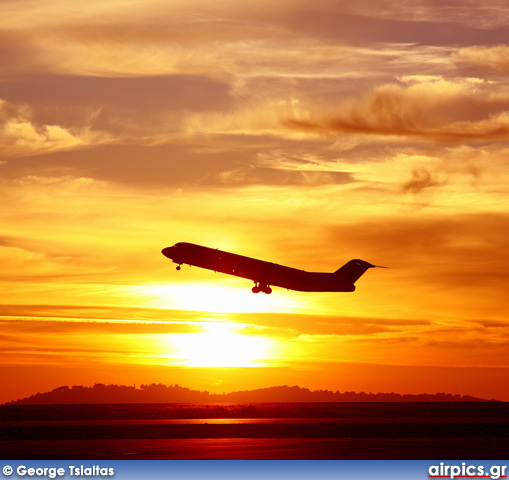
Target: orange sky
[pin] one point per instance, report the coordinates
(301, 132)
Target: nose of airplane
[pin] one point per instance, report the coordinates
(167, 252)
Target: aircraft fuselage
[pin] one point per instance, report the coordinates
(265, 273)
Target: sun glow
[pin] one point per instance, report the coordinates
(219, 346)
(211, 298)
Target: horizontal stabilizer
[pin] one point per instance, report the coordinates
(353, 270)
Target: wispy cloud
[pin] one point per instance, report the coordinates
(421, 179)
(456, 111)
(20, 135)
(489, 58)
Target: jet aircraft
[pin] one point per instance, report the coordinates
(267, 274)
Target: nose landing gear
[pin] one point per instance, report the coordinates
(261, 288)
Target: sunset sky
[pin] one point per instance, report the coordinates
(301, 132)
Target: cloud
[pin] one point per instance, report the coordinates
(421, 179)
(491, 14)
(19, 135)
(287, 39)
(149, 94)
(457, 252)
(427, 109)
(35, 264)
(490, 58)
(291, 325)
(53, 112)
(252, 175)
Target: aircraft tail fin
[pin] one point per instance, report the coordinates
(353, 270)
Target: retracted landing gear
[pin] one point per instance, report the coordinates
(261, 288)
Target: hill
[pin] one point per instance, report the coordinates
(158, 393)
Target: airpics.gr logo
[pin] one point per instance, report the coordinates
(467, 471)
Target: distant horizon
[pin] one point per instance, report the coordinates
(174, 393)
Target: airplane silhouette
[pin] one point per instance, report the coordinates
(264, 273)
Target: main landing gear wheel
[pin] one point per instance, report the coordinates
(262, 288)
(179, 267)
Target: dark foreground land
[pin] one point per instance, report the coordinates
(256, 431)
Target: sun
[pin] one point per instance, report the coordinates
(219, 345)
